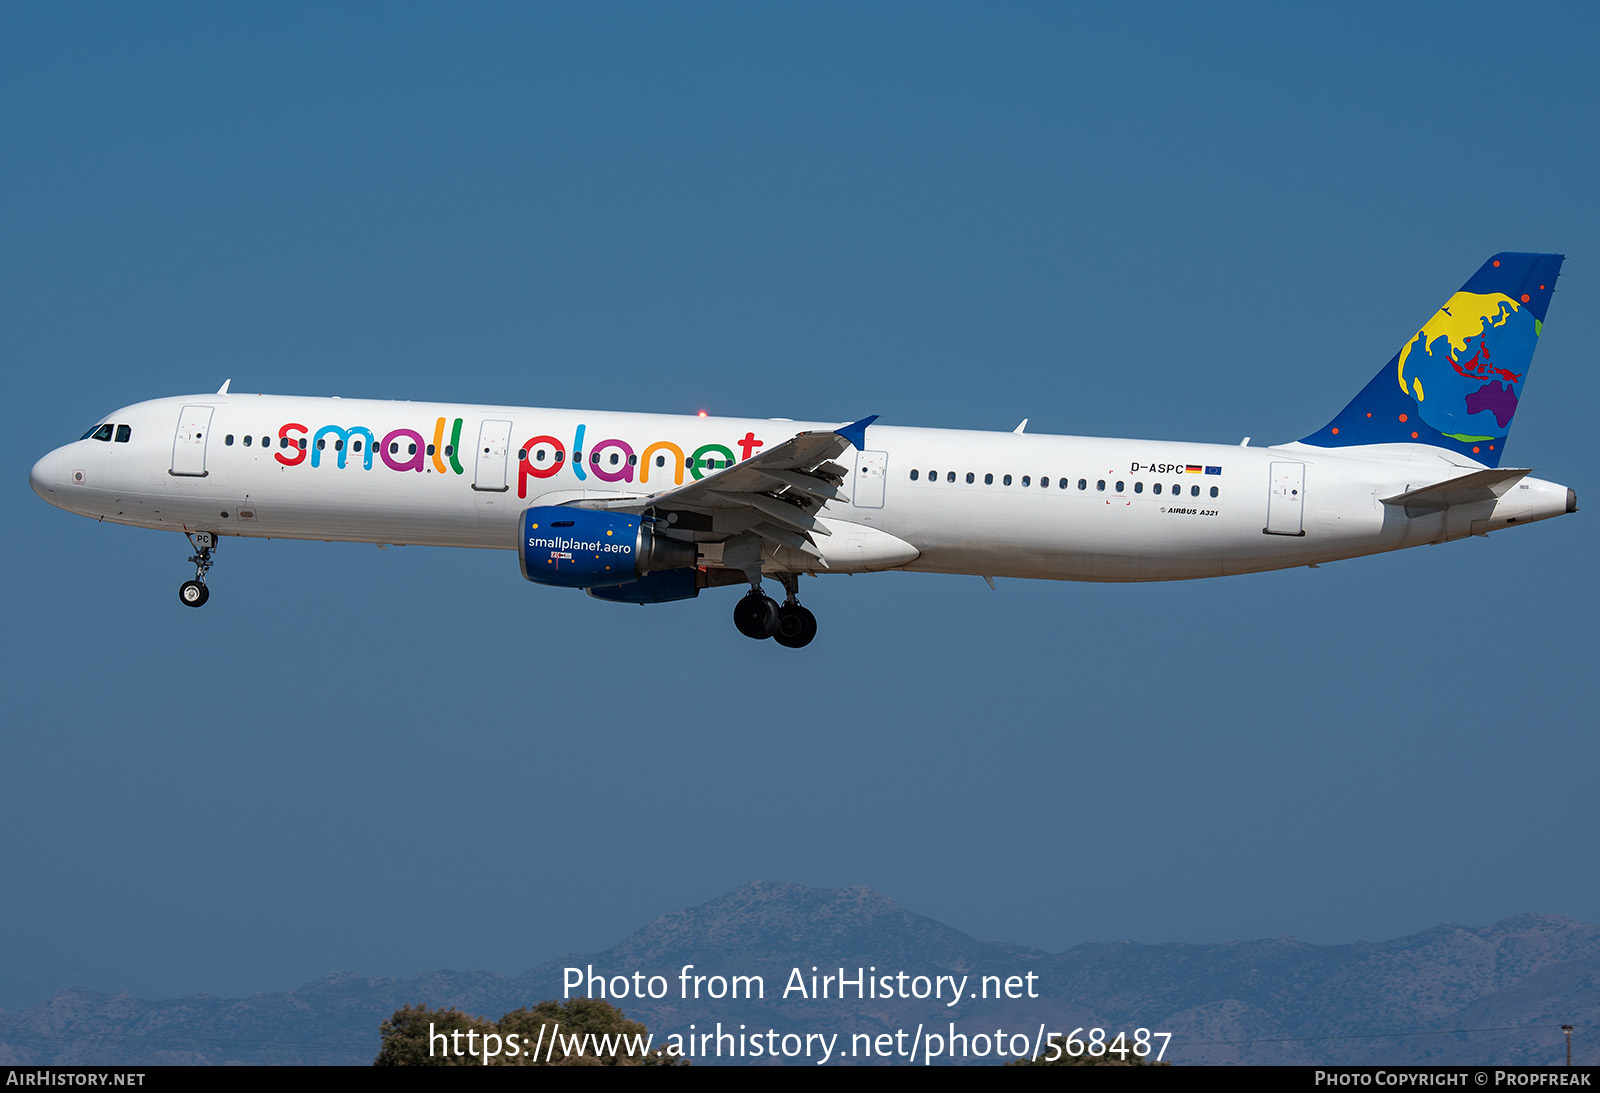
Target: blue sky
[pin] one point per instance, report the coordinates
(1166, 221)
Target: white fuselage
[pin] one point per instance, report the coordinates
(991, 504)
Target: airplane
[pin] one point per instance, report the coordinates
(647, 508)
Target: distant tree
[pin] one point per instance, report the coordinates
(406, 1037)
(579, 1032)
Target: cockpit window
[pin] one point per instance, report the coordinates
(94, 429)
(103, 432)
(124, 432)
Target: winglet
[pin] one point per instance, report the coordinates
(223, 390)
(856, 433)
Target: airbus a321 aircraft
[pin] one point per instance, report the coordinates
(645, 508)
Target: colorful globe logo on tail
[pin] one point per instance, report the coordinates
(1457, 382)
(1466, 365)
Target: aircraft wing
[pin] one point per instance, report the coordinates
(774, 495)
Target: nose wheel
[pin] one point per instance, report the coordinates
(195, 593)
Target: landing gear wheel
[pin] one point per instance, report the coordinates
(796, 626)
(756, 615)
(195, 593)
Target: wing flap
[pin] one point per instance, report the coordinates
(776, 494)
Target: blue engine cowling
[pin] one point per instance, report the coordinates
(586, 548)
(662, 587)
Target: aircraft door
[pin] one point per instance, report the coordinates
(866, 488)
(1287, 499)
(189, 445)
(494, 441)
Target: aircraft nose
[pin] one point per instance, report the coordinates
(45, 477)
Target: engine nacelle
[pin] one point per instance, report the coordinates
(585, 548)
(662, 587)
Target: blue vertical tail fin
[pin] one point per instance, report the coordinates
(1455, 384)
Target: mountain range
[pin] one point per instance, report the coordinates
(1453, 994)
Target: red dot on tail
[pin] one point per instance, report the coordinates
(1524, 297)
(1497, 261)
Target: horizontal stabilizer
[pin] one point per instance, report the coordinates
(1477, 486)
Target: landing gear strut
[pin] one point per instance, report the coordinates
(195, 593)
(758, 616)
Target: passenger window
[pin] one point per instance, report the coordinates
(1101, 485)
(1006, 480)
(356, 446)
(521, 454)
(988, 480)
(394, 449)
(914, 475)
(248, 440)
(413, 450)
(449, 449)
(1119, 487)
(228, 440)
(1213, 491)
(615, 458)
(661, 461)
(1138, 487)
(1064, 483)
(950, 476)
(1156, 489)
(1083, 483)
(633, 460)
(1045, 482)
(338, 445)
(430, 449)
(266, 442)
(1027, 480)
(971, 478)
(126, 431)
(302, 444)
(1194, 491)
(933, 476)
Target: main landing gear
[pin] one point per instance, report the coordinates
(758, 615)
(195, 593)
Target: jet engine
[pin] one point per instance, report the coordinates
(586, 548)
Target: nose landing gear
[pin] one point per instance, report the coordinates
(195, 593)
